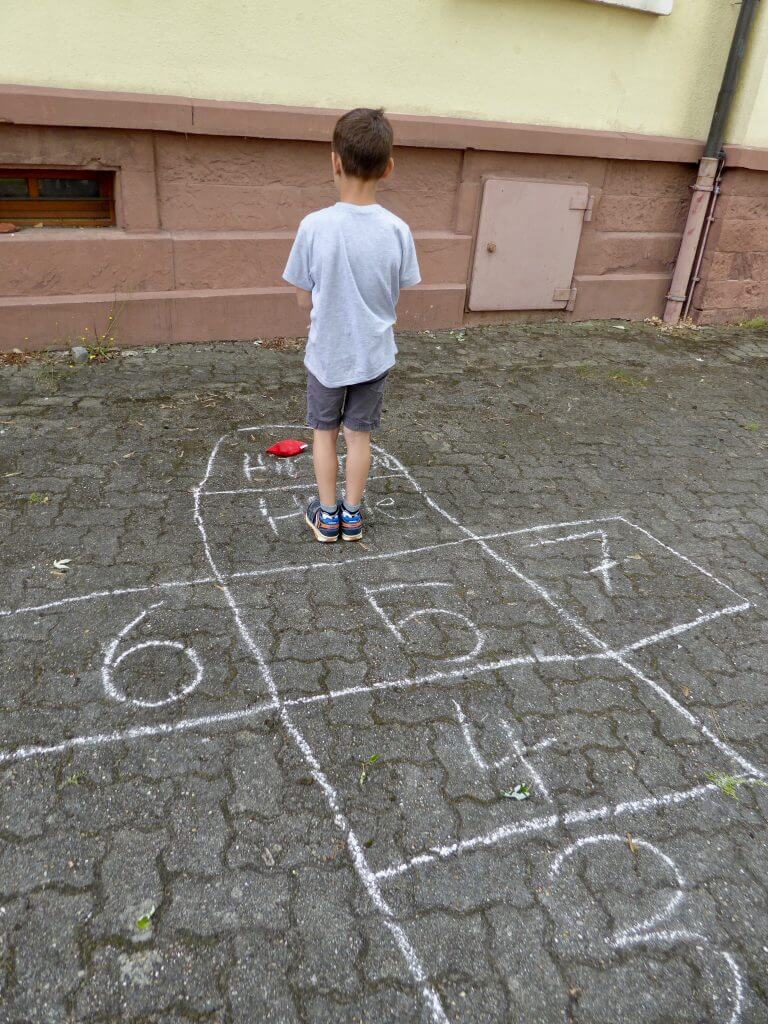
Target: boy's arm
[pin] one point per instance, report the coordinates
(297, 270)
(409, 268)
(303, 297)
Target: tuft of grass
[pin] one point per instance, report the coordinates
(75, 779)
(618, 376)
(100, 343)
(730, 785)
(757, 323)
(36, 498)
(101, 351)
(622, 377)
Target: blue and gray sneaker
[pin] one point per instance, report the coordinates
(351, 524)
(325, 526)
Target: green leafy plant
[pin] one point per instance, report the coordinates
(145, 921)
(522, 791)
(369, 763)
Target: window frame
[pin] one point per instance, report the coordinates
(60, 212)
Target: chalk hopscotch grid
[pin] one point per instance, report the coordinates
(371, 885)
(290, 566)
(372, 880)
(263, 708)
(183, 725)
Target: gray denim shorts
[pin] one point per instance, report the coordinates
(357, 406)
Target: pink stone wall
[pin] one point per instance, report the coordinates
(205, 223)
(734, 272)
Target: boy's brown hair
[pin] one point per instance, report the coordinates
(362, 139)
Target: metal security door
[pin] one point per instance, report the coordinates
(527, 242)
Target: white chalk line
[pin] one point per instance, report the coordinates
(522, 756)
(361, 690)
(134, 733)
(722, 746)
(383, 556)
(367, 877)
(547, 823)
(97, 595)
(684, 627)
(291, 567)
(359, 860)
(589, 634)
(204, 721)
(682, 557)
(608, 563)
(395, 626)
(116, 736)
(626, 936)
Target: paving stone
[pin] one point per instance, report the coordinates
(259, 979)
(190, 862)
(328, 937)
(234, 901)
(123, 985)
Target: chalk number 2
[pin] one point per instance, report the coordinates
(658, 929)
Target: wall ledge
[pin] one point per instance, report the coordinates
(749, 158)
(33, 105)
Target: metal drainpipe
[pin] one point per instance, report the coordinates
(706, 188)
(696, 276)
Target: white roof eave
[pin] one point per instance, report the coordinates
(651, 6)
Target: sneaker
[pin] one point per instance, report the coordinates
(324, 526)
(351, 524)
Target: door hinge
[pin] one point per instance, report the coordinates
(587, 206)
(566, 295)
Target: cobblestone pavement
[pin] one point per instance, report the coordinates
(246, 778)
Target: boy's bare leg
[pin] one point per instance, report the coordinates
(326, 463)
(358, 464)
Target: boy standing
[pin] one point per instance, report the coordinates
(348, 264)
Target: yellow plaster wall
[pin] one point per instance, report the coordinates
(749, 123)
(555, 62)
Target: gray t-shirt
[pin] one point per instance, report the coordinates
(354, 260)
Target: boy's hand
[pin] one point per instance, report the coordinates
(304, 298)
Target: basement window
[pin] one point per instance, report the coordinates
(52, 198)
